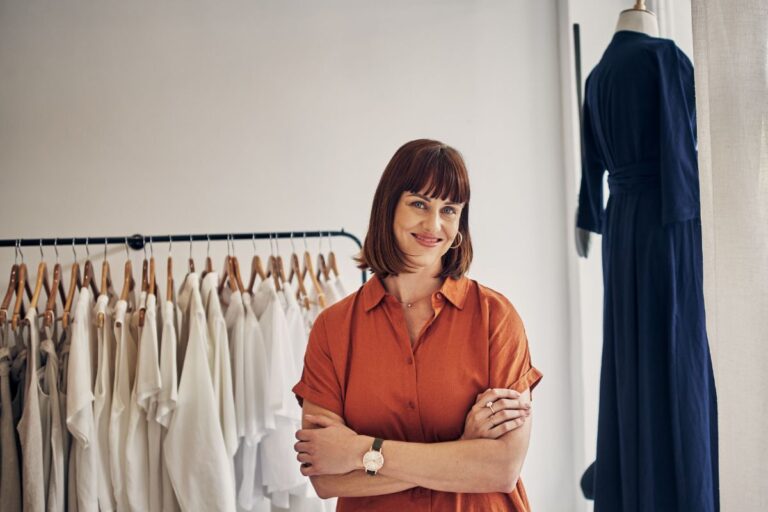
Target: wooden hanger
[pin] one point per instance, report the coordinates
(145, 272)
(280, 269)
(40, 283)
(332, 258)
(74, 284)
(9, 293)
(272, 266)
(257, 269)
(238, 277)
(106, 275)
(226, 273)
(315, 283)
(274, 272)
(147, 280)
(21, 286)
(322, 267)
(57, 286)
(106, 284)
(128, 282)
(301, 291)
(89, 276)
(151, 290)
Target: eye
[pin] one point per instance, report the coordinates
(450, 210)
(419, 204)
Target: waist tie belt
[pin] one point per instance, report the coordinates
(635, 177)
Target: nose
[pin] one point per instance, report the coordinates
(433, 222)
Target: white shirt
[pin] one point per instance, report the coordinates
(195, 453)
(329, 290)
(168, 396)
(303, 498)
(103, 399)
(235, 320)
(125, 365)
(221, 373)
(148, 383)
(277, 458)
(136, 449)
(259, 417)
(80, 421)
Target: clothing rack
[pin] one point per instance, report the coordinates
(138, 241)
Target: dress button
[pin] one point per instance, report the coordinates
(411, 405)
(439, 296)
(409, 360)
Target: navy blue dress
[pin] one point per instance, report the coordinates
(657, 424)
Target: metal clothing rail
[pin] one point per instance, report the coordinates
(138, 241)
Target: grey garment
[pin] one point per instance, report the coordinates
(30, 427)
(10, 478)
(56, 483)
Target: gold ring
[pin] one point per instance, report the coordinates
(490, 406)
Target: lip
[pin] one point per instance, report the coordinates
(427, 240)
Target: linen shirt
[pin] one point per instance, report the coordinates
(195, 454)
(360, 364)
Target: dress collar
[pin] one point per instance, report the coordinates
(455, 290)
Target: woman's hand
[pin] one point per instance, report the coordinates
(332, 449)
(509, 412)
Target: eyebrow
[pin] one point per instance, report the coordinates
(429, 200)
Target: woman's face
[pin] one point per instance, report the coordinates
(425, 228)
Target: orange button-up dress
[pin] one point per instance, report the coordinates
(360, 364)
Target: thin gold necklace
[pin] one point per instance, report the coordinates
(410, 304)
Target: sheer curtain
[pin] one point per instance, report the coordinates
(730, 42)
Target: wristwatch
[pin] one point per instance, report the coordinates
(373, 460)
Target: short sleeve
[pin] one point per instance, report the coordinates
(509, 358)
(319, 383)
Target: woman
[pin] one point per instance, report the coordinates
(416, 388)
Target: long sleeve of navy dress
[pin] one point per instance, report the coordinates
(657, 422)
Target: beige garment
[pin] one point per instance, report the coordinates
(125, 367)
(147, 387)
(166, 400)
(102, 402)
(30, 426)
(55, 440)
(10, 479)
(70, 492)
(136, 473)
(80, 380)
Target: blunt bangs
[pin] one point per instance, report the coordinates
(438, 172)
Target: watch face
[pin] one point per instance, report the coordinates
(373, 460)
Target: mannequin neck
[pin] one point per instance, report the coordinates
(638, 21)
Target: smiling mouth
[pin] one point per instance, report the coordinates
(428, 241)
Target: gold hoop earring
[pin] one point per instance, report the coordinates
(461, 239)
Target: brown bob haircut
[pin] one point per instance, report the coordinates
(420, 166)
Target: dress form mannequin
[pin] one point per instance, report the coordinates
(637, 19)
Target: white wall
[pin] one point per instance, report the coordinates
(177, 117)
